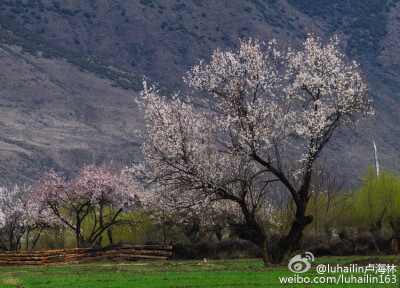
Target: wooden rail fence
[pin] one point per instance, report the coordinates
(122, 252)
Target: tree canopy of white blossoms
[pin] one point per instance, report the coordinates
(16, 217)
(272, 113)
(2, 219)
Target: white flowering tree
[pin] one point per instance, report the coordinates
(17, 213)
(2, 218)
(271, 115)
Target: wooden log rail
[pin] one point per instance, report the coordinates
(83, 255)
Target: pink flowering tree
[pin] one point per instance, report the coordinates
(103, 194)
(271, 115)
(16, 217)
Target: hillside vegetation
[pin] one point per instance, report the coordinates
(70, 71)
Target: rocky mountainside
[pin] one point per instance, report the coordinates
(69, 71)
(53, 114)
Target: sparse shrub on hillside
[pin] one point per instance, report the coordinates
(32, 43)
(364, 21)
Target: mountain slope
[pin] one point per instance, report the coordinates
(155, 37)
(53, 114)
(63, 104)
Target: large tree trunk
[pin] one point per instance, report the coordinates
(76, 239)
(279, 252)
(273, 252)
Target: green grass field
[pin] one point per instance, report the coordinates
(216, 273)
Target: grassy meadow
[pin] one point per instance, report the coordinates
(214, 273)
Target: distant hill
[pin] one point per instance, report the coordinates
(70, 69)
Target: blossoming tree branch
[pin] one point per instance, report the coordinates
(272, 113)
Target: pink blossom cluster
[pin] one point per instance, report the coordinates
(93, 186)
